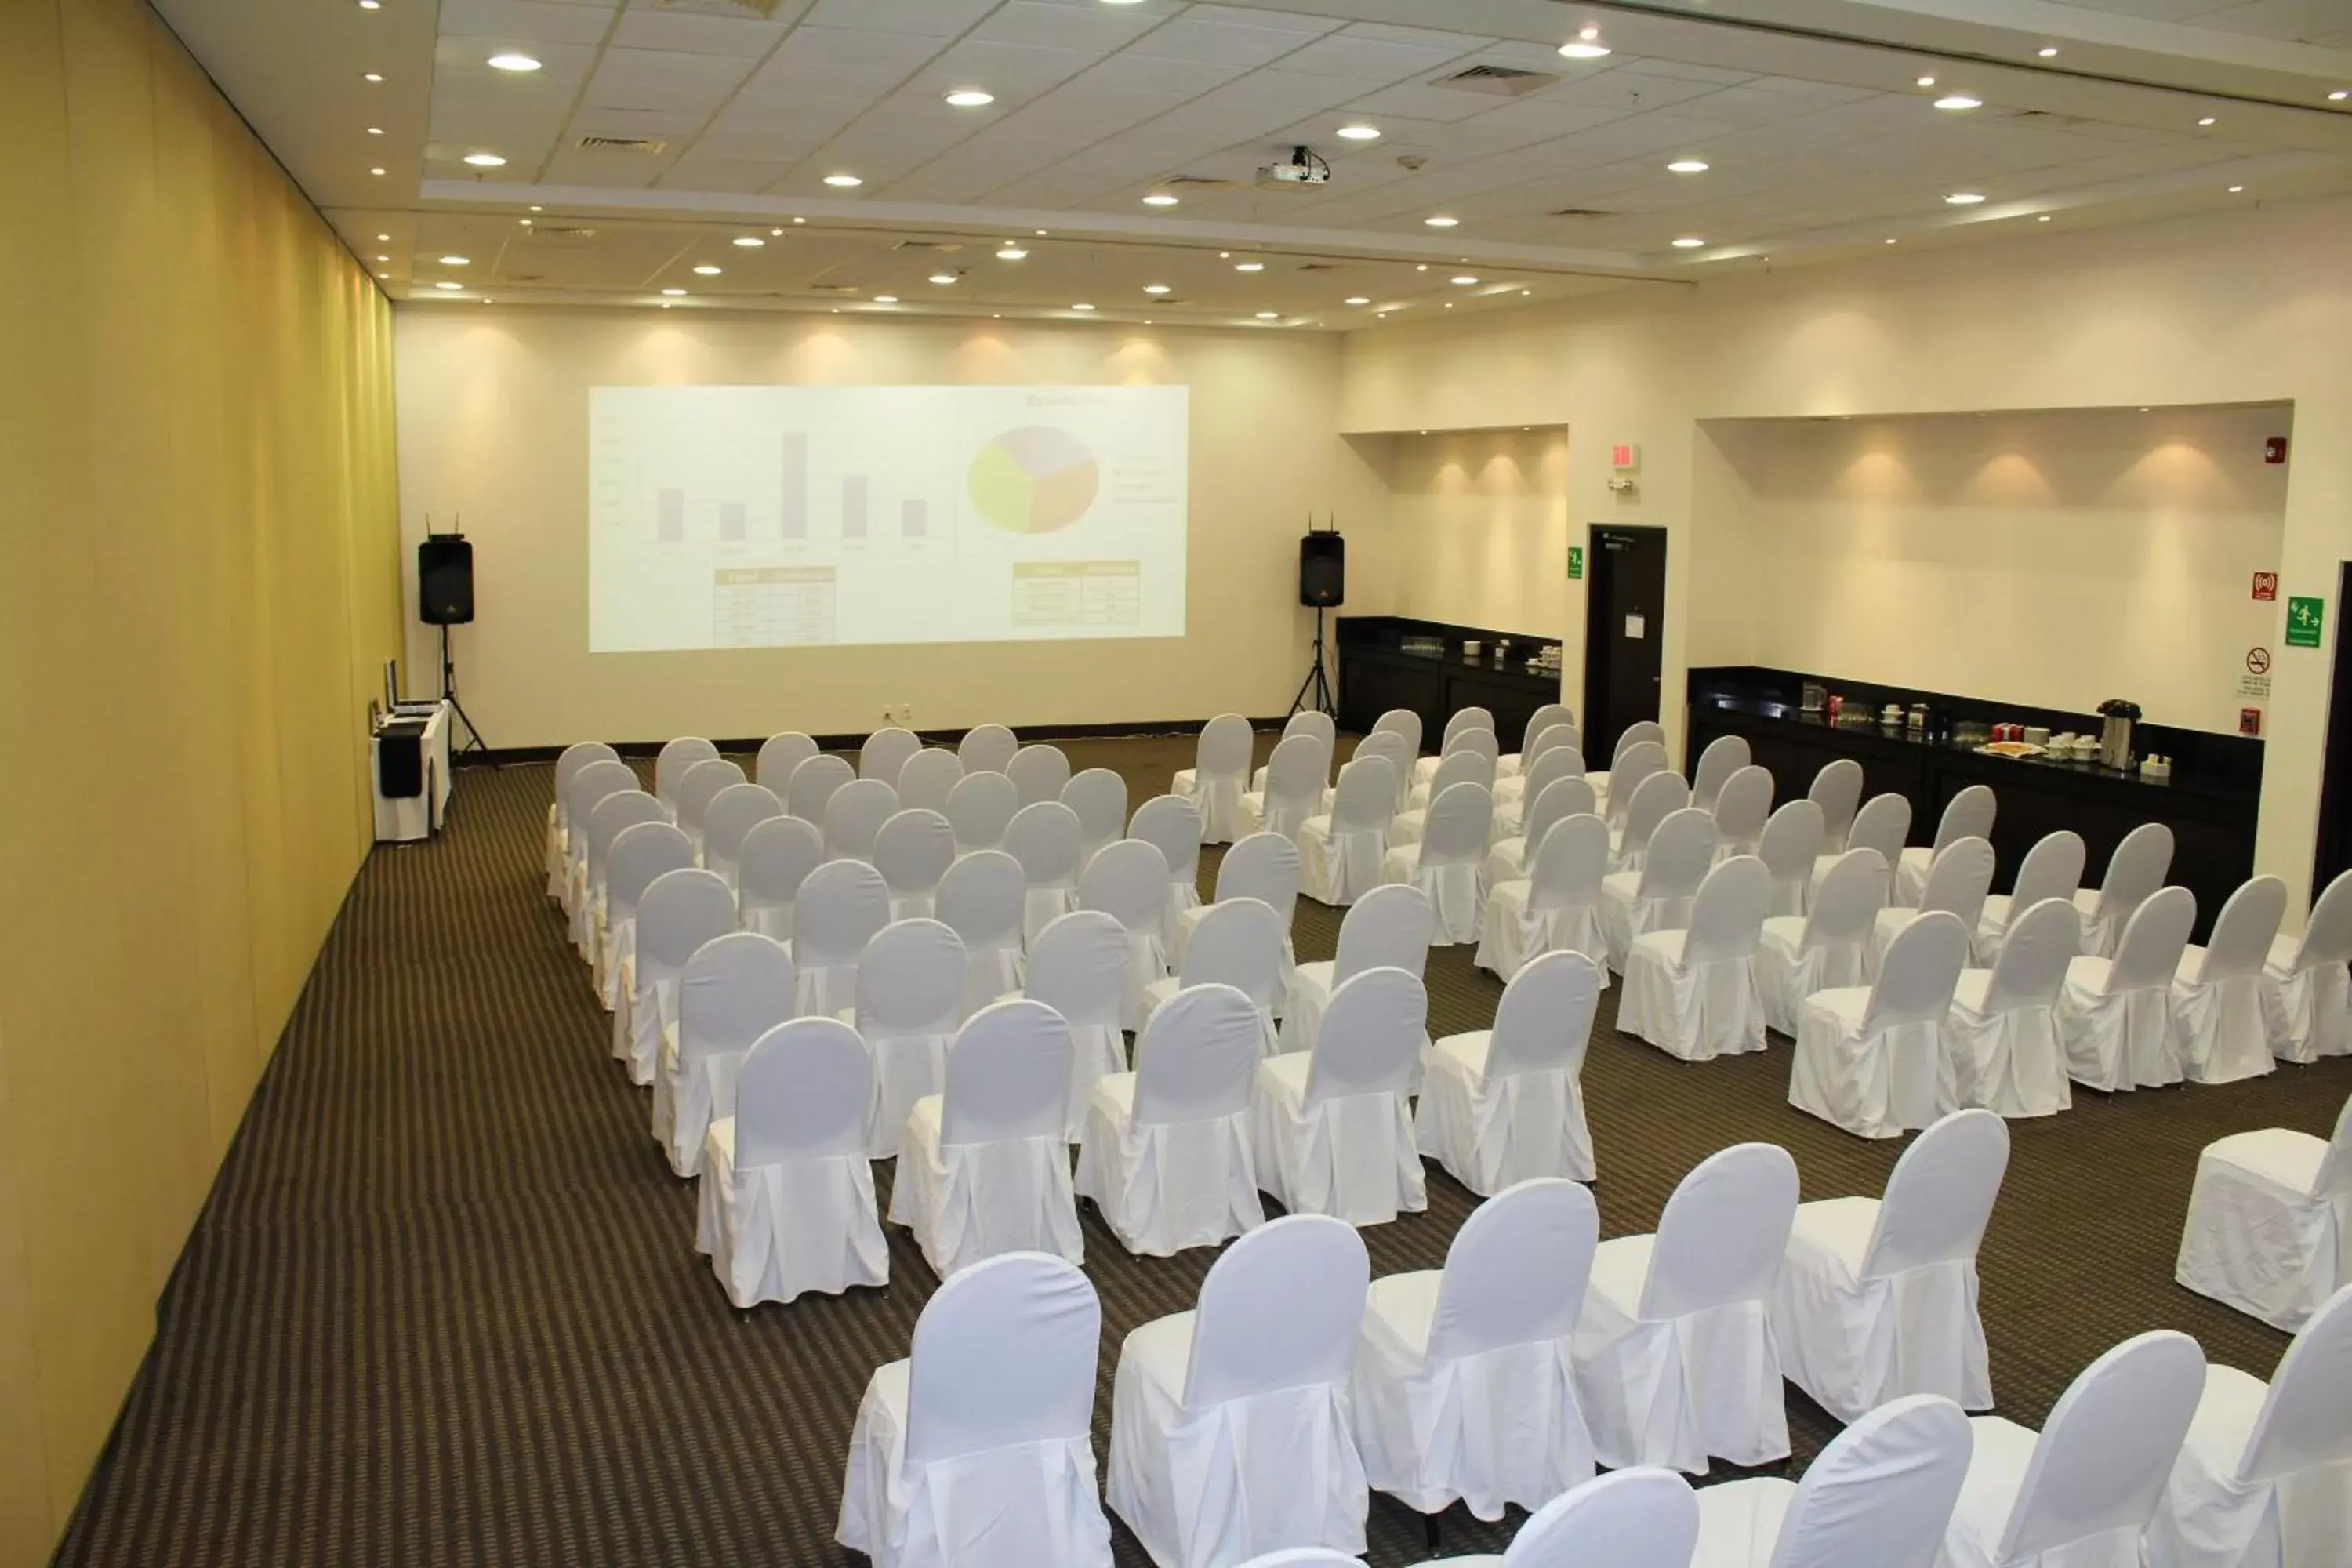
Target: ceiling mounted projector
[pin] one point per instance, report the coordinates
(1303, 169)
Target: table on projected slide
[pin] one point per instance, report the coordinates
(771, 606)
(1077, 593)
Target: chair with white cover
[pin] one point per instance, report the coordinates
(777, 857)
(1837, 790)
(1958, 881)
(1627, 771)
(979, 899)
(979, 808)
(855, 816)
(1742, 806)
(1546, 717)
(1555, 908)
(1692, 992)
(1445, 864)
(1791, 842)
(607, 820)
(885, 753)
(1968, 815)
(1293, 789)
(978, 1449)
(2262, 1480)
(671, 763)
(734, 989)
(1513, 805)
(698, 788)
(2114, 1014)
(1675, 1355)
(2307, 981)
(1165, 1152)
(1640, 1518)
(2216, 992)
(642, 853)
(2270, 1222)
(1459, 723)
(1128, 881)
(680, 911)
(1473, 743)
(1308, 721)
(1099, 797)
(1079, 968)
(1655, 894)
(1038, 772)
(1173, 825)
(2134, 871)
(1559, 737)
(1506, 1104)
(812, 785)
(1826, 948)
(1265, 867)
(1237, 943)
(1388, 928)
(911, 978)
(1339, 854)
(786, 1204)
(1878, 1495)
(1331, 1127)
(984, 1167)
(1404, 723)
(1219, 776)
(1877, 1297)
(1044, 836)
(729, 817)
(1465, 1384)
(2079, 1494)
(567, 764)
(1869, 1059)
(1230, 1431)
(840, 906)
(2052, 869)
(1656, 797)
(1882, 823)
(2001, 1046)
(779, 754)
(913, 850)
(929, 777)
(1724, 755)
(1390, 747)
(1454, 768)
(1512, 857)
(987, 749)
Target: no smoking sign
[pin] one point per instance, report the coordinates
(2258, 661)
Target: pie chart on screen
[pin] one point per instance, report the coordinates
(1035, 479)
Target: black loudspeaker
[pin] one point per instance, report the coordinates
(445, 580)
(1322, 570)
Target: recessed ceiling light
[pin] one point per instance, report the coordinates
(675, 293)
(943, 279)
(535, 207)
(1465, 280)
(2207, 121)
(453, 261)
(2339, 95)
(375, 130)
(371, 76)
(1159, 199)
(1357, 300)
(1894, 242)
(377, 172)
(1583, 50)
(1964, 198)
(2235, 189)
(1439, 220)
(749, 241)
(486, 160)
(1155, 288)
(1010, 253)
(513, 62)
(1360, 132)
(384, 239)
(1959, 100)
(885, 298)
(1689, 242)
(1041, 234)
(707, 270)
(370, 4)
(1688, 166)
(2043, 218)
(2048, 52)
(1249, 266)
(1083, 307)
(844, 182)
(446, 283)
(795, 220)
(383, 258)
(1122, 2)
(1927, 82)
(970, 98)
(1269, 315)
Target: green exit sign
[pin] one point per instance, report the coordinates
(1575, 561)
(2303, 621)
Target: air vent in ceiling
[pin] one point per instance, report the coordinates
(841, 289)
(1320, 267)
(2045, 120)
(1197, 183)
(1503, 81)
(557, 232)
(939, 245)
(1583, 211)
(620, 144)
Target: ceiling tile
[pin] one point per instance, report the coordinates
(935, 19)
(525, 21)
(689, 32)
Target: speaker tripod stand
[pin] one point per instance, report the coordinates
(1315, 691)
(474, 741)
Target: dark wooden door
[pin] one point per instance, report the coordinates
(1624, 630)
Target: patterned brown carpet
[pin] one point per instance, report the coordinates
(443, 1308)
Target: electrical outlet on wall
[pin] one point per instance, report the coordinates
(904, 716)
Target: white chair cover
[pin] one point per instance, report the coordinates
(987, 749)
(1387, 929)
(812, 785)
(1331, 1128)
(1837, 790)
(787, 1200)
(1547, 718)
(1646, 732)
(700, 785)
(1877, 1298)
(2270, 1222)
(1173, 824)
(841, 905)
(980, 900)
(1445, 864)
(1391, 748)
(1724, 755)
(641, 853)
(607, 820)
(1556, 908)
(929, 777)
(2134, 871)
(2306, 999)
(2262, 1480)
(984, 1169)
(1128, 881)
(1957, 882)
(1968, 815)
(671, 763)
(1882, 823)
(1308, 721)
(1826, 948)
(559, 818)
(1045, 839)
(854, 819)
(1293, 790)
(2114, 1014)
(1236, 942)
(1742, 806)
(776, 858)
(1099, 797)
(731, 814)
(979, 808)
(1658, 796)
(1675, 1354)
(978, 1450)
(1879, 1495)
(1656, 895)
(1506, 1104)
(1476, 745)
(1640, 1518)
(1691, 994)
(1791, 842)
(2079, 1494)
(1547, 768)
(1228, 1431)
(2001, 1050)
(885, 753)
(1870, 1060)
(735, 988)
(1339, 854)
(2052, 869)
(1079, 968)
(1166, 1152)
(1513, 855)
(594, 781)
(1634, 762)
(911, 1001)
(1038, 772)
(779, 755)
(2217, 991)
(1404, 723)
(913, 850)
(680, 911)
(1265, 867)
(1219, 776)
(1465, 1384)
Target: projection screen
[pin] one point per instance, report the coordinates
(786, 516)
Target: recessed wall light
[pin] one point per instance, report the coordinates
(2047, 52)
(1688, 166)
(1269, 315)
(371, 76)
(513, 61)
(885, 298)
(707, 270)
(453, 261)
(1440, 220)
(1155, 288)
(749, 241)
(1359, 132)
(1357, 300)
(1959, 100)
(1583, 50)
(1465, 280)
(1084, 307)
(1689, 242)
(486, 160)
(1964, 198)
(1249, 266)
(1159, 199)
(844, 182)
(970, 98)
(1010, 253)
(943, 279)
(675, 293)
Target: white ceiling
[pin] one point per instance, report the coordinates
(1820, 143)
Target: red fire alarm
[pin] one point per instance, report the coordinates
(2275, 449)
(2250, 721)
(2265, 584)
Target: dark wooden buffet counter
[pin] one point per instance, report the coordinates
(1376, 674)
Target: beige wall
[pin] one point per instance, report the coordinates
(1473, 531)
(197, 582)
(493, 424)
(2253, 307)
